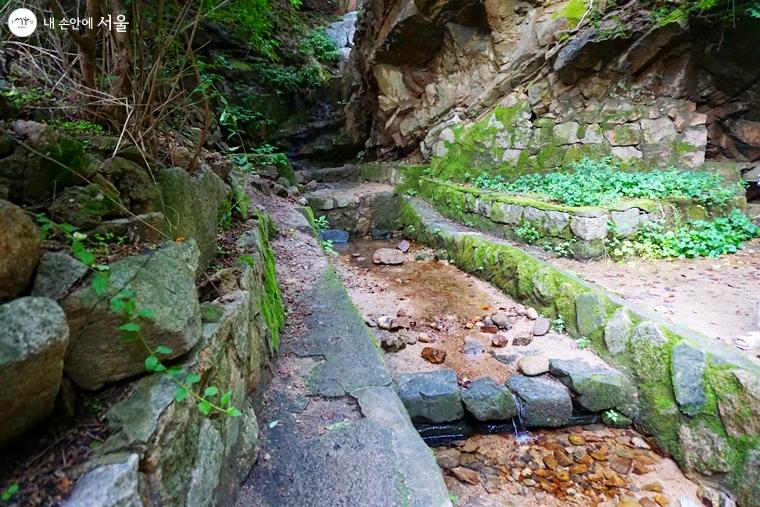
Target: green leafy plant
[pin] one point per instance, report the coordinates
(234, 206)
(558, 325)
(614, 416)
(560, 248)
(321, 223)
(125, 303)
(528, 233)
(101, 242)
(700, 238)
(9, 492)
(319, 45)
(596, 182)
(80, 126)
(327, 246)
(583, 342)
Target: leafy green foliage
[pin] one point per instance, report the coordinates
(9, 492)
(235, 206)
(283, 79)
(601, 182)
(583, 342)
(528, 233)
(321, 223)
(319, 45)
(252, 20)
(80, 126)
(558, 325)
(700, 238)
(722, 11)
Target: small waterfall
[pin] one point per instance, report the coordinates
(522, 435)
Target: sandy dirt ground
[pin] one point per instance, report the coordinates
(717, 297)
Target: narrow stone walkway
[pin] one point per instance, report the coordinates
(334, 431)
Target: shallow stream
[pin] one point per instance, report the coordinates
(501, 464)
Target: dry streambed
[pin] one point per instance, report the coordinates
(430, 316)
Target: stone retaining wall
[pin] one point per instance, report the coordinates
(698, 397)
(581, 230)
(511, 141)
(162, 452)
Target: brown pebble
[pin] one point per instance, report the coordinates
(432, 355)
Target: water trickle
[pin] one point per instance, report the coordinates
(522, 435)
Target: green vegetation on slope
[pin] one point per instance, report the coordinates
(596, 182)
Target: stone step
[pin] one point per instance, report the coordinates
(358, 208)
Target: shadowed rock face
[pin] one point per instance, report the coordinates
(419, 67)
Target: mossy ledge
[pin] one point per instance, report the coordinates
(580, 229)
(639, 343)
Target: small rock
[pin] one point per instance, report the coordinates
(336, 236)
(423, 256)
(522, 341)
(448, 458)
(409, 338)
(499, 340)
(532, 314)
(466, 475)
(57, 274)
(371, 322)
(385, 322)
(403, 322)
(403, 246)
(661, 500)
(489, 329)
(472, 347)
(393, 342)
(433, 355)
(541, 327)
(533, 365)
(311, 185)
(424, 338)
(502, 321)
(388, 256)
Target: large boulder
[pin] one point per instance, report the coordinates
(114, 482)
(57, 274)
(162, 281)
(488, 401)
(88, 205)
(432, 396)
(47, 163)
(136, 188)
(597, 387)
(191, 206)
(33, 341)
(20, 247)
(545, 402)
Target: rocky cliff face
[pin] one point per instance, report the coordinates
(420, 67)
